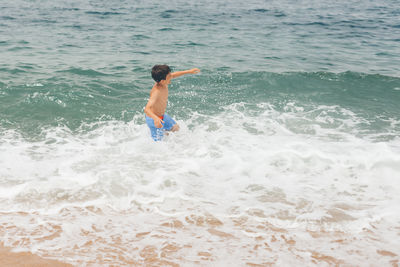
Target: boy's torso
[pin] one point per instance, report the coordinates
(160, 96)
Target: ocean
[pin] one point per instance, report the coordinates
(289, 148)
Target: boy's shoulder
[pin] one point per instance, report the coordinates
(157, 87)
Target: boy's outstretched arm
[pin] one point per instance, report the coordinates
(183, 72)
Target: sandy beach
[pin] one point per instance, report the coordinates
(25, 259)
(197, 240)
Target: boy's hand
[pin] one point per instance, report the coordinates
(157, 123)
(194, 71)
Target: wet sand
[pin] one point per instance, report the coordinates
(194, 240)
(9, 258)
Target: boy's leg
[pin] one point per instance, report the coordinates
(175, 128)
(170, 124)
(156, 133)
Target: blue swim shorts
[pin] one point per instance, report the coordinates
(158, 133)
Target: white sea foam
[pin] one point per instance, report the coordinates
(243, 173)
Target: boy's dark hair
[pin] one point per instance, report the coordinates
(160, 72)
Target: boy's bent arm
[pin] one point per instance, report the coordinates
(150, 113)
(148, 109)
(183, 72)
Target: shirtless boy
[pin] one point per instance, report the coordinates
(156, 118)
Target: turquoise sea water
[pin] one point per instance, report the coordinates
(296, 110)
(76, 62)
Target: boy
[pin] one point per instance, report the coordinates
(156, 118)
